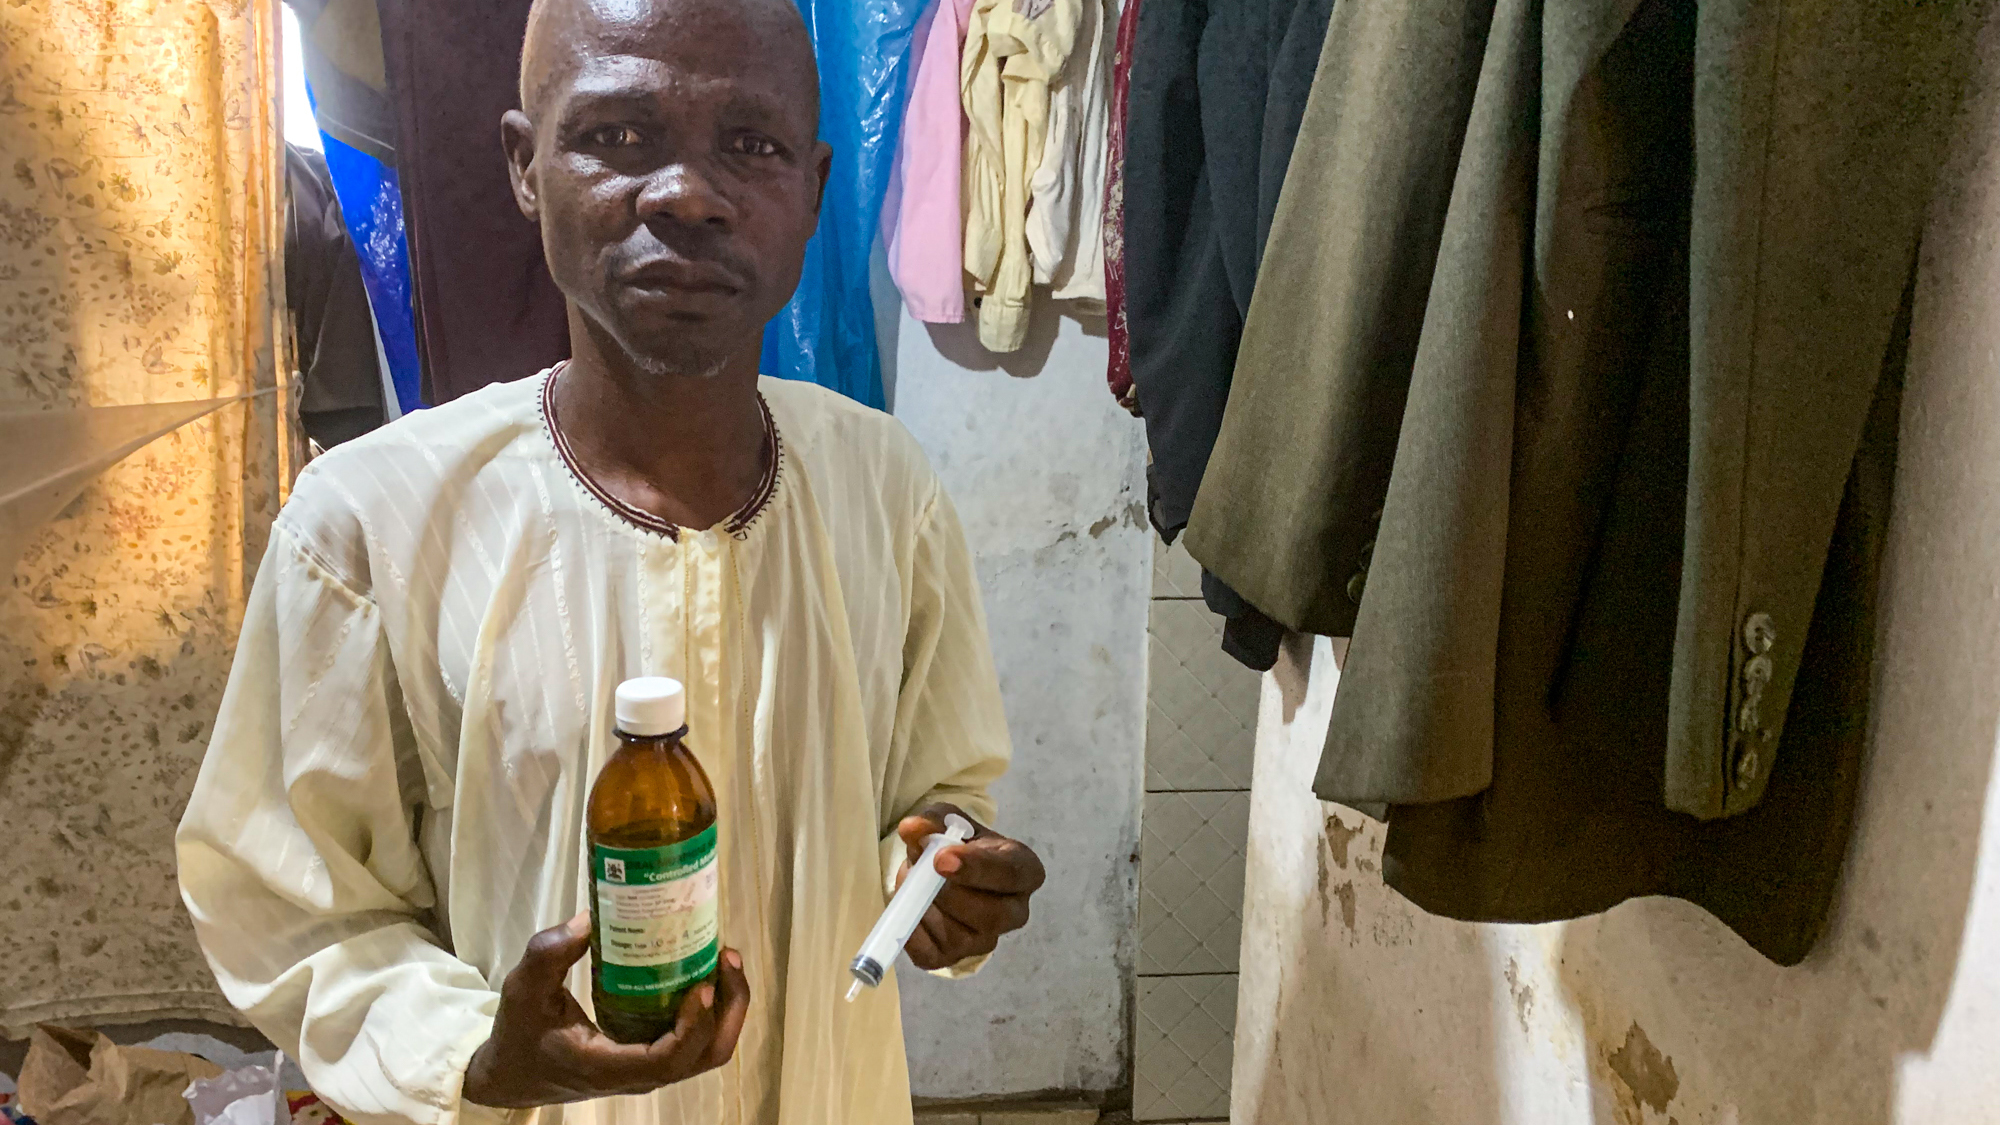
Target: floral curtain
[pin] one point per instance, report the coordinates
(142, 426)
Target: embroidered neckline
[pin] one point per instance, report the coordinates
(737, 525)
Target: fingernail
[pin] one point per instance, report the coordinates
(708, 996)
(580, 925)
(946, 864)
(733, 959)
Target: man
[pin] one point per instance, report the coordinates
(385, 839)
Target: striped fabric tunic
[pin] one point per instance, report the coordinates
(393, 802)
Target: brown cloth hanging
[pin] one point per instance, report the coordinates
(486, 309)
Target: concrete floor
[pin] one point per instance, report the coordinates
(1009, 1115)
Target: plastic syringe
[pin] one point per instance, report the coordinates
(899, 919)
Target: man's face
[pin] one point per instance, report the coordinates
(673, 166)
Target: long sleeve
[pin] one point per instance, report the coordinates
(1065, 227)
(983, 173)
(950, 742)
(1118, 367)
(1012, 57)
(1051, 223)
(922, 227)
(300, 865)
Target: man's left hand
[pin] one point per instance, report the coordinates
(987, 881)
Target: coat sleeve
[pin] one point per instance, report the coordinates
(300, 867)
(950, 742)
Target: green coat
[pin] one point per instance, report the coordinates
(1607, 396)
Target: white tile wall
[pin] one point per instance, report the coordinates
(1201, 709)
(1191, 881)
(1201, 717)
(1184, 1044)
(1175, 573)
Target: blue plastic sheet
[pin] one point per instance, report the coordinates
(826, 335)
(371, 205)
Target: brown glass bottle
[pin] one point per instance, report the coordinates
(652, 832)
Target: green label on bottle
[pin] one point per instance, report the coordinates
(656, 915)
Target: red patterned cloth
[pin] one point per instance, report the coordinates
(307, 1109)
(1119, 373)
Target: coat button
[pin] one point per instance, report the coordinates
(1750, 716)
(1747, 767)
(1757, 674)
(1759, 633)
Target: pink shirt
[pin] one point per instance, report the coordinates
(922, 217)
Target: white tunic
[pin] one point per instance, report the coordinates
(393, 800)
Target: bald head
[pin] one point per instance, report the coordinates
(562, 32)
(669, 151)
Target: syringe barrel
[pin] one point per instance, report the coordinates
(920, 888)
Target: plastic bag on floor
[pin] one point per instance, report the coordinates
(82, 1078)
(248, 1095)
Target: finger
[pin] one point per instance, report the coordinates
(925, 823)
(546, 963)
(679, 1052)
(732, 1009)
(959, 940)
(636, 1068)
(940, 952)
(923, 951)
(955, 941)
(992, 863)
(981, 911)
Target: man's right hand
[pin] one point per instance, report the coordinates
(545, 1051)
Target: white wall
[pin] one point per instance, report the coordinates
(1048, 475)
(1357, 1007)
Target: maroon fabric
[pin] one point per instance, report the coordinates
(486, 308)
(1119, 373)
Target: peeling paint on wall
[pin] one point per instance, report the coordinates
(1647, 1073)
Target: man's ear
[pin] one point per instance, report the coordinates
(823, 167)
(517, 136)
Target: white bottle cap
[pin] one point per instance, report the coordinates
(651, 705)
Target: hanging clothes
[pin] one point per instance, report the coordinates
(923, 229)
(1202, 136)
(141, 266)
(1118, 369)
(1065, 227)
(347, 82)
(826, 335)
(342, 395)
(1615, 622)
(1015, 50)
(341, 43)
(486, 308)
(1217, 92)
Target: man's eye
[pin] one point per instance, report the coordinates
(756, 146)
(614, 136)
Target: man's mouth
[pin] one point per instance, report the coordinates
(683, 277)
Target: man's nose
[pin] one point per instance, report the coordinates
(686, 193)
